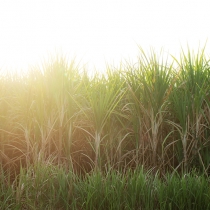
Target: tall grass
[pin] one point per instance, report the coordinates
(149, 86)
(145, 114)
(137, 137)
(188, 102)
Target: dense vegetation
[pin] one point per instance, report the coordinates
(63, 131)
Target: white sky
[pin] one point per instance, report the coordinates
(96, 31)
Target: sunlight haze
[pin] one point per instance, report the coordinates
(98, 31)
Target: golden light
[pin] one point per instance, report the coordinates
(99, 31)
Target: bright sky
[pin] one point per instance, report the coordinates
(98, 31)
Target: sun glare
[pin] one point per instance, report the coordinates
(97, 32)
